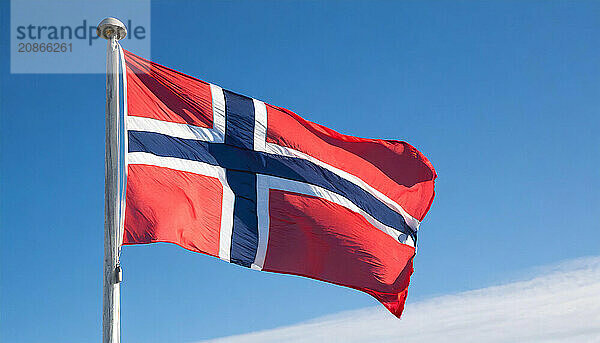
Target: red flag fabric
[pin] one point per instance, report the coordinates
(257, 185)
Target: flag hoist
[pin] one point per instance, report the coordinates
(112, 30)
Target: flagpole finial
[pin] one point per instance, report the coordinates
(111, 27)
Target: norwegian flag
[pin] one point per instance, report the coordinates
(254, 184)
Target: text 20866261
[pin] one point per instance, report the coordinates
(44, 47)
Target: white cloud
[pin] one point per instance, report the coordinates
(560, 305)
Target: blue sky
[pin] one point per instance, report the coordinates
(501, 96)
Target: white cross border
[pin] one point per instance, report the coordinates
(216, 134)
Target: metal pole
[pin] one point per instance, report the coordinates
(112, 30)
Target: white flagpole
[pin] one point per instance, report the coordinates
(112, 30)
